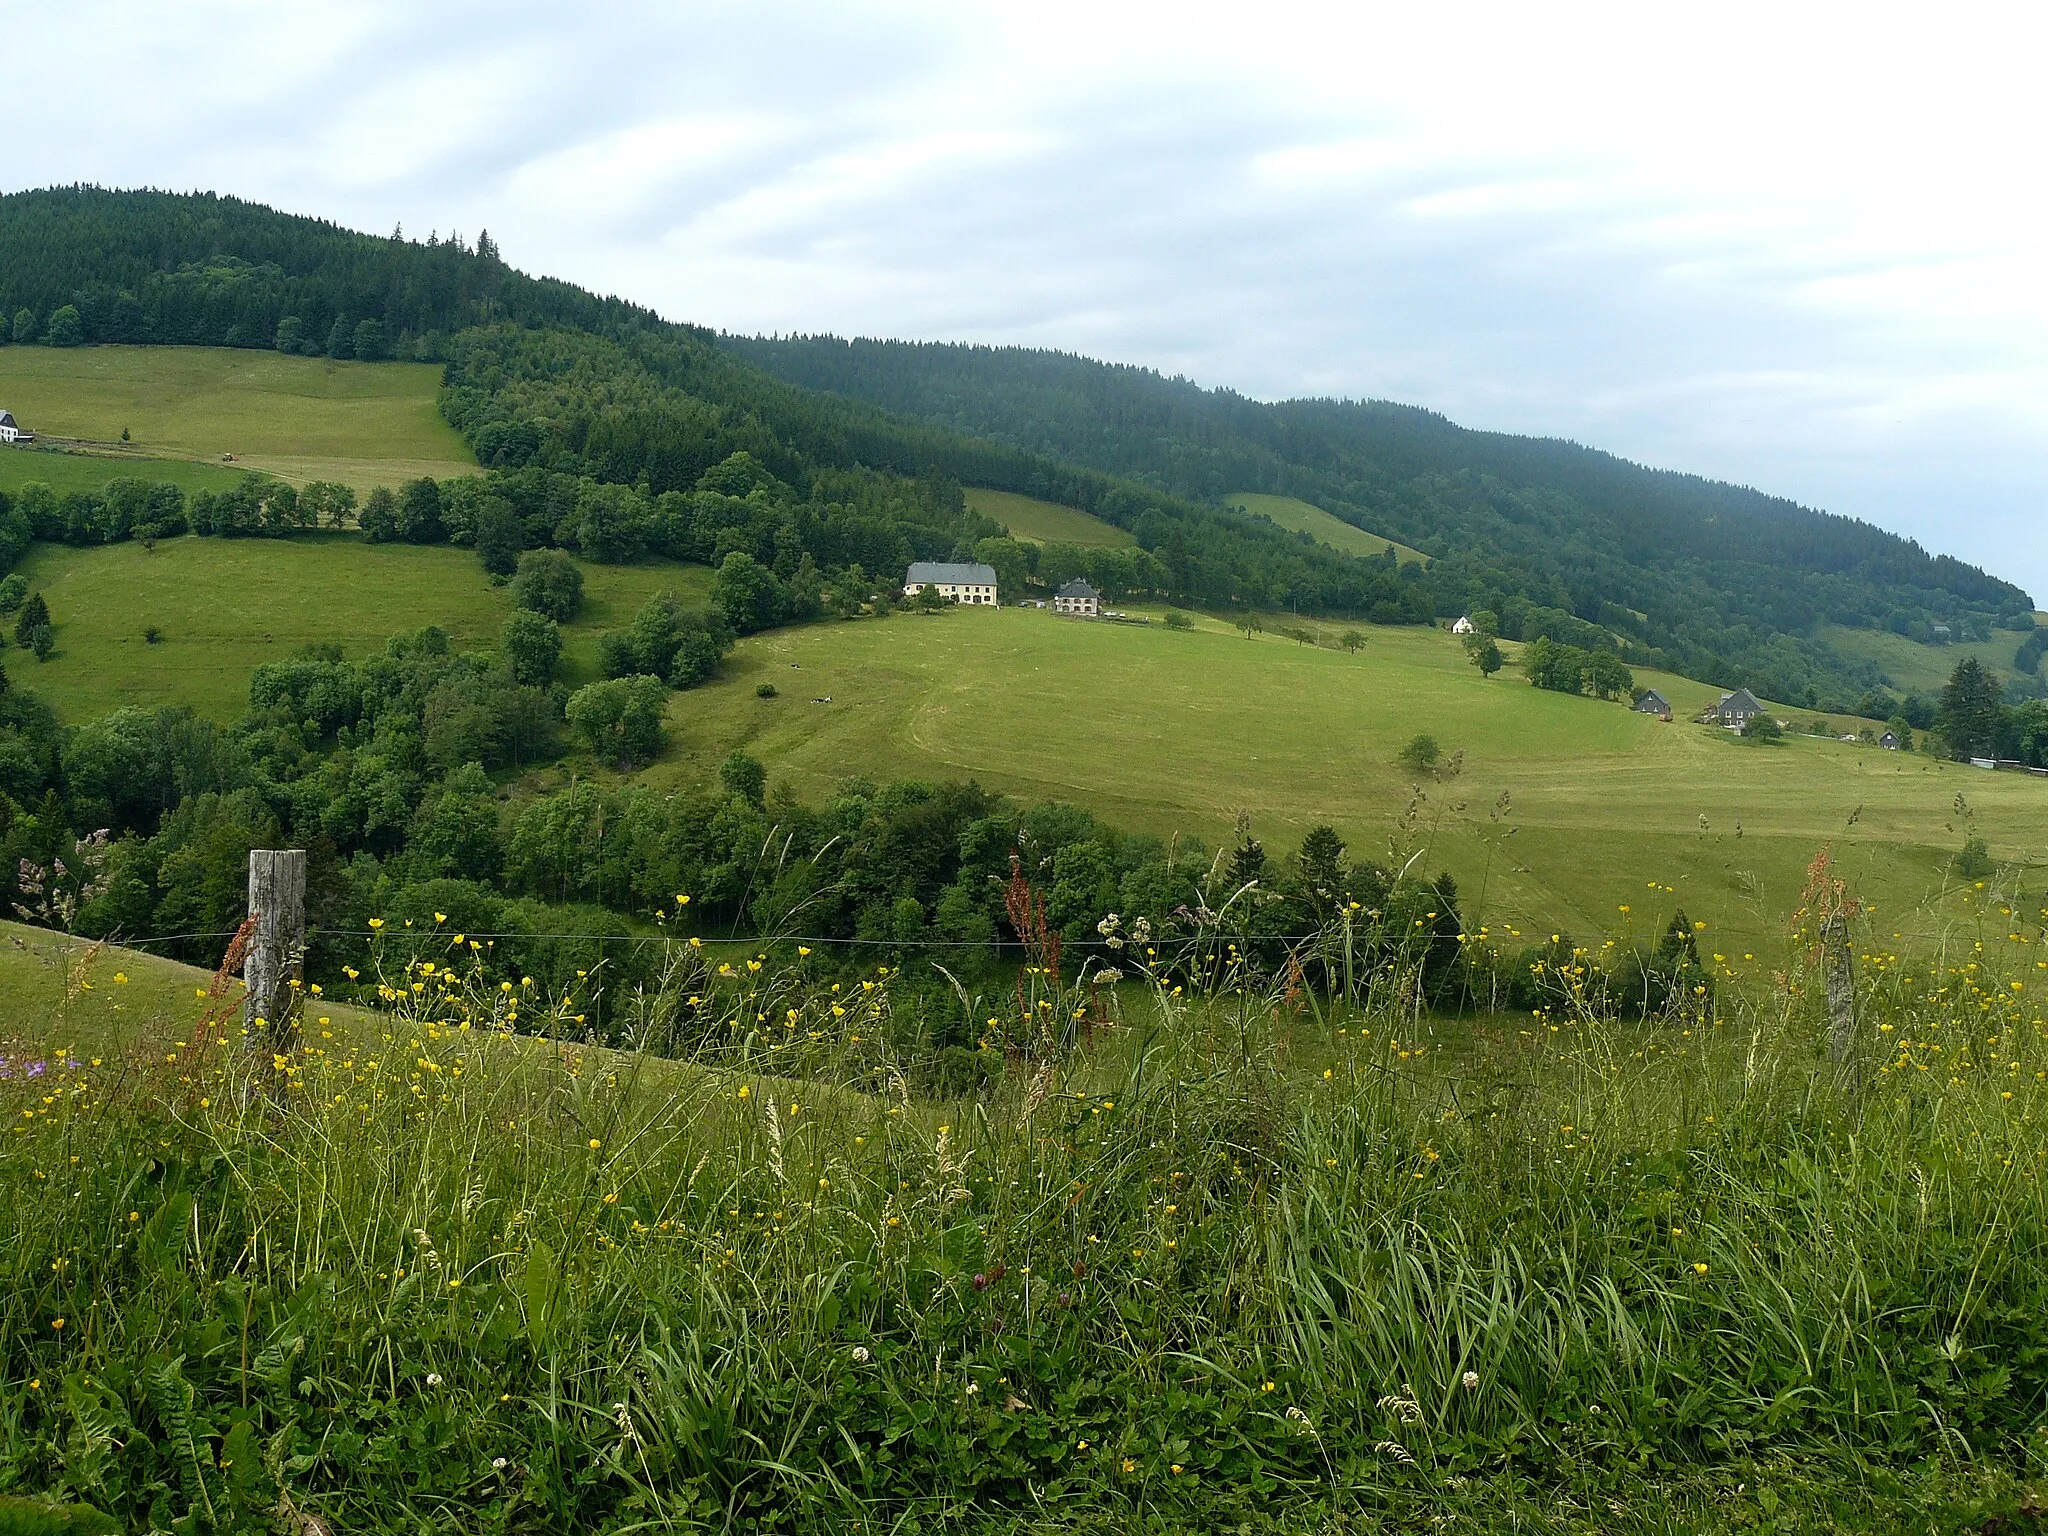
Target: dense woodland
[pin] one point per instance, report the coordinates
(1713, 580)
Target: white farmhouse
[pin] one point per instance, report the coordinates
(975, 584)
(1462, 627)
(12, 431)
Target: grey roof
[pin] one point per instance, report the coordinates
(945, 573)
(1078, 588)
(7, 419)
(1653, 699)
(1741, 701)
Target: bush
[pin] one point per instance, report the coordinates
(766, 691)
(1763, 731)
(549, 582)
(1175, 619)
(620, 718)
(1974, 861)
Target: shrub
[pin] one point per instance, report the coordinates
(1974, 861)
(1175, 619)
(549, 582)
(765, 691)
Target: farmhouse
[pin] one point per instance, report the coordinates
(1736, 709)
(11, 431)
(962, 583)
(1652, 703)
(1462, 627)
(1079, 599)
(1889, 741)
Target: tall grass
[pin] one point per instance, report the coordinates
(1227, 1262)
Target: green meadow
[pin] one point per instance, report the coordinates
(1045, 522)
(1298, 516)
(76, 470)
(1565, 810)
(300, 418)
(224, 607)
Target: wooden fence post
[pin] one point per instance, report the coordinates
(277, 947)
(1841, 989)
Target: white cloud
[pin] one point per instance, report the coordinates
(1796, 245)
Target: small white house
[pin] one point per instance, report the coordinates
(964, 583)
(12, 431)
(1464, 626)
(1078, 600)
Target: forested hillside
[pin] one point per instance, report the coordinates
(1715, 580)
(1560, 541)
(546, 375)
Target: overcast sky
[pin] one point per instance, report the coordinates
(1802, 247)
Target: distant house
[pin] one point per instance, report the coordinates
(975, 584)
(1078, 599)
(1652, 703)
(12, 431)
(1941, 634)
(1462, 627)
(1889, 741)
(1737, 709)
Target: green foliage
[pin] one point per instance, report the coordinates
(1763, 730)
(379, 520)
(1421, 753)
(1177, 620)
(1568, 669)
(550, 583)
(745, 777)
(36, 1517)
(668, 640)
(34, 615)
(1971, 710)
(620, 719)
(63, 328)
(532, 643)
(1974, 861)
(1484, 653)
(766, 691)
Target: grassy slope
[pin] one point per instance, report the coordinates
(1917, 668)
(74, 471)
(301, 418)
(1045, 522)
(1170, 732)
(226, 606)
(1300, 517)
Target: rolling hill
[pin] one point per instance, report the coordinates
(299, 418)
(1177, 732)
(1710, 579)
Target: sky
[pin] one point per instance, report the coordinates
(1796, 246)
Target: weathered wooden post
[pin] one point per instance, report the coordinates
(277, 946)
(1840, 977)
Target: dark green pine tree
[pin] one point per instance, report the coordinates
(1971, 709)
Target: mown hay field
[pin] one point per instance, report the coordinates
(300, 418)
(1177, 732)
